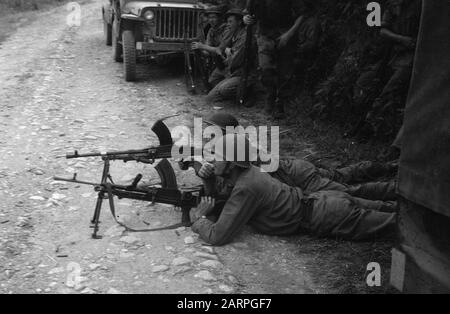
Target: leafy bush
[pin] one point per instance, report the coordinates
(348, 49)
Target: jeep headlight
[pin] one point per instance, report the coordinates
(149, 15)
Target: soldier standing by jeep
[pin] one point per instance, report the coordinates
(277, 25)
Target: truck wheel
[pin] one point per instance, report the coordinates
(129, 55)
(107, 30)
(117, 47)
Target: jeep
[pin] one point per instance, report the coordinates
(148, 29)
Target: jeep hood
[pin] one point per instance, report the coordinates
(136, 7)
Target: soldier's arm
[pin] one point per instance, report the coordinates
(238, 210)
(204, 47)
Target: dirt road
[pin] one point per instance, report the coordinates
(61, 91)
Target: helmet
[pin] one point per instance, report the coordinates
(237, 149)
(236, 12)
(214, 10)
(222, 120)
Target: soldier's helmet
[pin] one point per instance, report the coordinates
(214, 10)
(222, 120)
(236, 12)
(236, 149)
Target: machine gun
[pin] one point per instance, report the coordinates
(147, 155)
(168, 193)
(186, 200)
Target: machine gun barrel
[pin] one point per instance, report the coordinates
(152, 153)
(159, 152)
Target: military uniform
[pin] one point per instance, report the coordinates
(216, 37)
(310, 179)
(393, 94)
(274, 19)
(275, 208)
(227, 80)
(364, 171)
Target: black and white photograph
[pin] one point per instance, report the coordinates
(221, 153)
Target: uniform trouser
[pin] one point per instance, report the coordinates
(337, 214)
(276, 65)
(303, 174)
(377, 191)
(364, 171)
(216, 77)
(225, 89)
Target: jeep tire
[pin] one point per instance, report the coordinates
(117, 47)
(129, 55)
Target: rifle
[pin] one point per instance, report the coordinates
(242, 91)
(201, 63)
(189, 72)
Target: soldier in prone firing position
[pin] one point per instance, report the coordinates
(275, 208)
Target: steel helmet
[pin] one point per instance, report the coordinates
(237, 149)
(222, 120)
